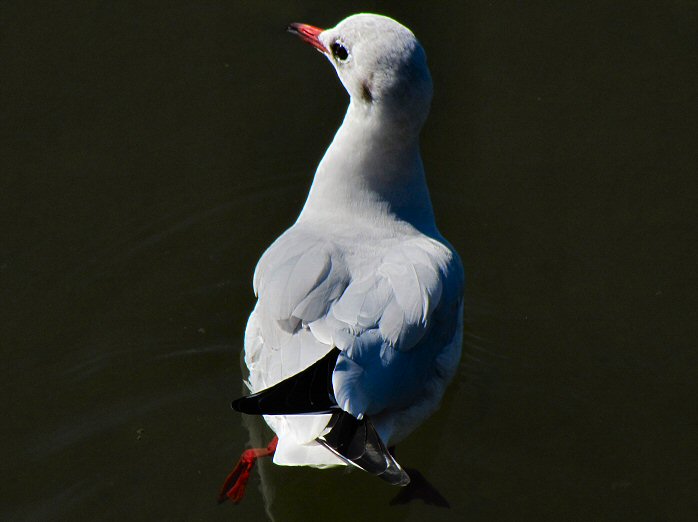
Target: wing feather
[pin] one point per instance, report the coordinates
(382, 317)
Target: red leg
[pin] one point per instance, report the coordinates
(235, 483)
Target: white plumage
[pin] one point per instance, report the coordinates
(364, 268)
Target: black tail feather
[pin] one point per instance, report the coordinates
(357, 442)
(307, 392)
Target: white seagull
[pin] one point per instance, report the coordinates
(358, 324)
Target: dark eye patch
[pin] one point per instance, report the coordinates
(339, 51)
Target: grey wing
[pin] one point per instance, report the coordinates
(296, 281)
(398, 329)
(395, 322)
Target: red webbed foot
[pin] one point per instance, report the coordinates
(235, 483)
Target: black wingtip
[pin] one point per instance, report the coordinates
(307, 392)
(239, 405)
(357, 442)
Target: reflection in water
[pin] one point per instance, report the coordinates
(259, 438)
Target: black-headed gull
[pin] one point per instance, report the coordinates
(358, 325)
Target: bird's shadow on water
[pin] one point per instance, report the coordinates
(419, 488)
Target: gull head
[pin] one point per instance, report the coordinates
(380, 63)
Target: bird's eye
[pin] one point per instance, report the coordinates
(339, 51)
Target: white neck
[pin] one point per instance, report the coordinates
(372, 172)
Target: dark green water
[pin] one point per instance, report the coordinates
(149, 152)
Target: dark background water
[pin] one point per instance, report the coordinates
(151, 151)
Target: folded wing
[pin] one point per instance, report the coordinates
(392, 323)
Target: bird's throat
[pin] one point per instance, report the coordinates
(372, 171)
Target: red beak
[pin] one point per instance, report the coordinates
(308, 34)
